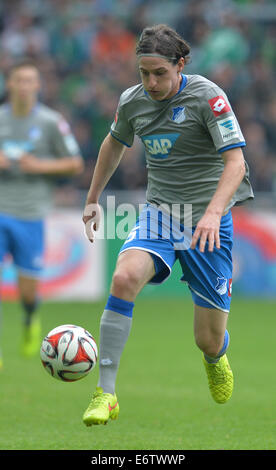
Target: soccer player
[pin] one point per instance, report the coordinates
(193, 146)
(36, 145)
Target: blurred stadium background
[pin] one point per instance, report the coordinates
(84, 50)
(85, 53)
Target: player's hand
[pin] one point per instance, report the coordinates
(4, 161)
(29, 163)
(207, 230)
(91, 219)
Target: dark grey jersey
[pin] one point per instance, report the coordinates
(183, 138)
(45, 134)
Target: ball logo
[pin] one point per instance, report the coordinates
(219, 105)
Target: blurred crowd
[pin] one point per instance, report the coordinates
(85, 50)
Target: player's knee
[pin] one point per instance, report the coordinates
(208, 345)
(28, 297)
(28, 289)
(124, 282)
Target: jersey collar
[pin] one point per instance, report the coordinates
(34, 110)
(182, 86)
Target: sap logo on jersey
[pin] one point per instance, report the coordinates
(219, 105)
(15, 150)
(159, 145)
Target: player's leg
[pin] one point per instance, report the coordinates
(1, 329)
(4, 249)
(133, 270)
(28, 293)
(1, 326)
(28, 252)
(212, 338)
(144, 257)
(209, 331)
(209, 276)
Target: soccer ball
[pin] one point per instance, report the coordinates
(68, 353)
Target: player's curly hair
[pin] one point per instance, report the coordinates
(163, 40)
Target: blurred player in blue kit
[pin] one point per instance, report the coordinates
(193, 145)
(36, 145)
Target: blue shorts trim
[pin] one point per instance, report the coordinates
(208, 274)
(159, 264)
(202, 301)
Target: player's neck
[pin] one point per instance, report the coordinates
(176, 89)
(21, 108)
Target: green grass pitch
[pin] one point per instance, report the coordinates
(162, 388)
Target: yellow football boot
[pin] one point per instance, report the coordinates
(31, 341)
(102, 407)
(220, 379)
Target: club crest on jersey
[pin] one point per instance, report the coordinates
(35, 133)
(159, 145)
(221, 286)
(178, 114)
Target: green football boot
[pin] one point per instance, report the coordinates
(102, 407)
(220, 379)
(31, 341)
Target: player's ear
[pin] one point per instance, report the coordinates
(180, 64)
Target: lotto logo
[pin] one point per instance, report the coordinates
(219, 105)
(63, 127)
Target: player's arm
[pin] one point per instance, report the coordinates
(232, 175)
(109, 157)
(111, 151)
(4, 161)
(110, 154)
(64, 157)
(67, 165)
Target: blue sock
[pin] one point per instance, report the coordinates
(119, 305)
(213, 360)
